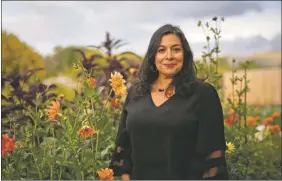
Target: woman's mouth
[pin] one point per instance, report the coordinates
(171, 65)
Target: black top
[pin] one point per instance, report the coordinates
(173, 140)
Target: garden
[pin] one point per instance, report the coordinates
(57, 132)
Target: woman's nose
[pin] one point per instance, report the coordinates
(169, 55)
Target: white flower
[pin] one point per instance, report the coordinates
(260, 127)
(259, 136)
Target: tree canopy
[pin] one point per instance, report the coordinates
(18, 57)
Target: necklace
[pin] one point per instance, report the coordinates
(161, 89)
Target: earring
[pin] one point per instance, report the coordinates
(154, 68)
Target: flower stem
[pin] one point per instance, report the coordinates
(106, 101)
(97, 141)
(94, 157)
(92, 107)
(75, 122)
(14, 129)
(60, 175)
(36, 164)
(53, 131)
(10, 124)
(33, 135)
(8, 169)
(79, 165)
(51, 172)
(43, 161)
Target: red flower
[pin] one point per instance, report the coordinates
(275, 128)
(233, 115)
(232, 118)
(91, 81)
(267, 121)
(115, 103)
(228, 121)
(7, 144)
(86, 131)
(275, 115)
(252, 121)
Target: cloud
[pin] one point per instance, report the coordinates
(275, 43)
(218, 8)
(46, 21)
(242, 46)
(154, 11)
(46, 24)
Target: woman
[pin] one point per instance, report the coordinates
(172, 123)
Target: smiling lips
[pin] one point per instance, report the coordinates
(170, 65)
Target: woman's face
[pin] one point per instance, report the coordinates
(169, 55)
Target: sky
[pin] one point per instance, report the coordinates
(249, 26)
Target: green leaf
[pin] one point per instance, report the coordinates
(40, 132)
(199, 23)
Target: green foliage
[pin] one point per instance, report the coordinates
(210, 57)
(68, 93)
(61, 62)
(54, 150)
(18, 57)
(257, 154)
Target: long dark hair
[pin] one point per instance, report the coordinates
(182, 80)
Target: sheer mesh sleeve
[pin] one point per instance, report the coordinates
(120, 161)
(211, 145)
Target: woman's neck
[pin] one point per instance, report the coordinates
(163, 81)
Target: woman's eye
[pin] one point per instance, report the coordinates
(176, 49)
(161, 50)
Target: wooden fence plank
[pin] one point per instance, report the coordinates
(264, 86)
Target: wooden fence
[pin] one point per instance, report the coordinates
(264, 86)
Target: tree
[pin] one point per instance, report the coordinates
(17, 56)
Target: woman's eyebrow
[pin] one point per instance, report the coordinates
(176, 45)
(171, 46)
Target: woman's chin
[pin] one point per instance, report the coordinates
(169, 73)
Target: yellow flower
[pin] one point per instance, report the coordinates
(117, 83)
(230, 147)
(116, 80)
(236, 102)
(132, 71)
(53, 111)
(120, 91)
(106, 174)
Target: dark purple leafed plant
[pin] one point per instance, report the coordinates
(21, 99)
(114, 63)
